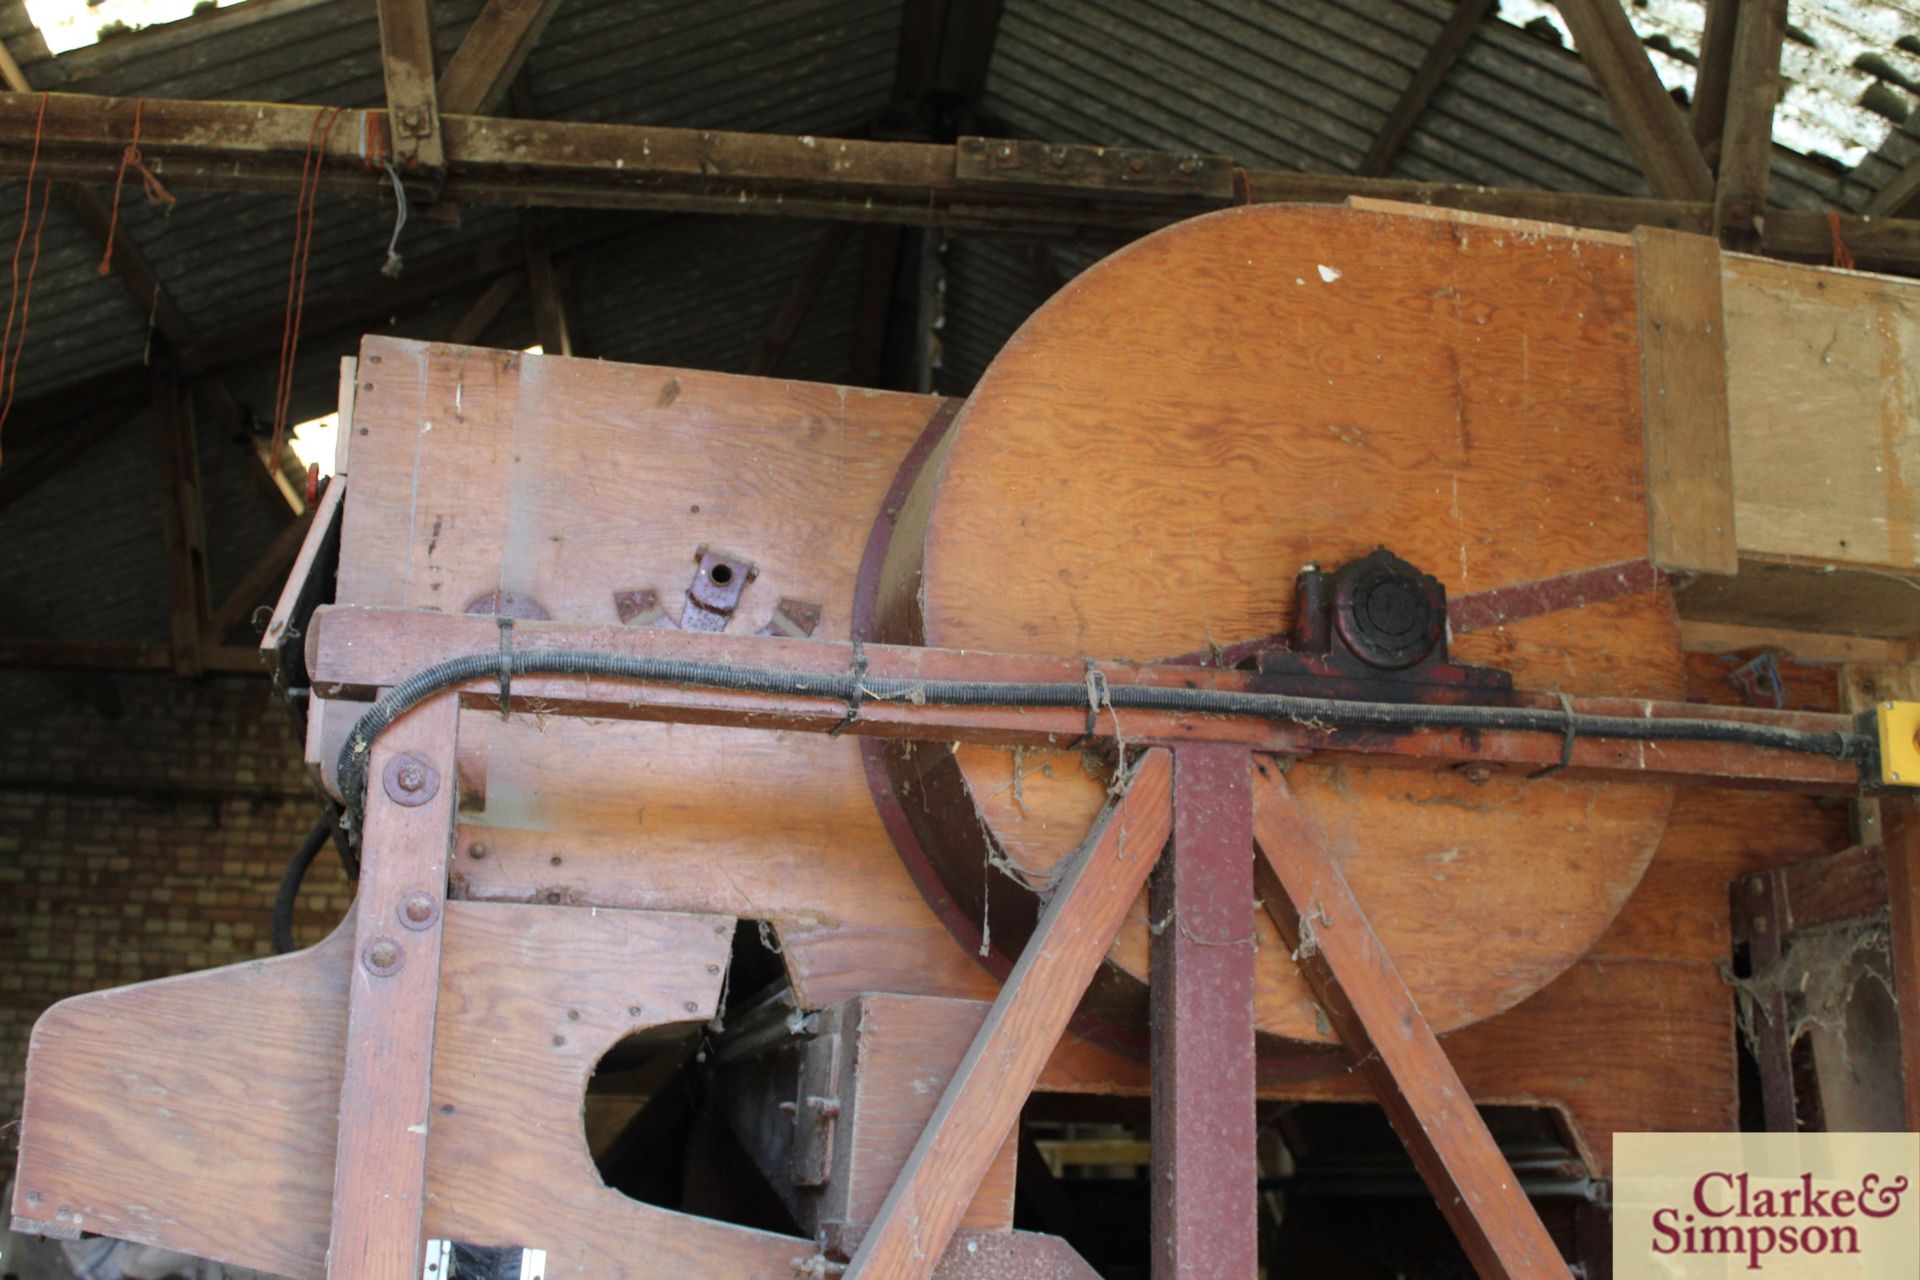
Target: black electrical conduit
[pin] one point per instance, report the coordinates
(296, 875)
(852, 689)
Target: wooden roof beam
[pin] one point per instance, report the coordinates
(1024, 190)
(1649, 119)
(1746, 146)
(1446, 49)
(494, 50)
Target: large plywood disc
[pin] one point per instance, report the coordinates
(1146, 466)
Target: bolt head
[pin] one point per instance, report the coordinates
(418, 910)
(383, 957)
(410, 780)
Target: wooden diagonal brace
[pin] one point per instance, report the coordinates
(983, 1098)
(1375, 1016)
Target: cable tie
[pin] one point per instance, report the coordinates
(857, 694)
(506, 666)
(1566, 743)
(1097, 693)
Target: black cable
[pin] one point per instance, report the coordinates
(295, 875)
(1334, 713)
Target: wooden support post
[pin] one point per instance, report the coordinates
(1369, 1007)
(1446, 49)
(982, 1101)
(181, 515)
(1759, 918)
(1648, 118)
(491, 54)
(1205, 1171)
(380, 1163)
(1683, 402)
(406, 56)
(1746, 145)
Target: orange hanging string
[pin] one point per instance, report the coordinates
(303, 222)
(157, 194)
(1842, 256)
(26, 300)
(9, 349)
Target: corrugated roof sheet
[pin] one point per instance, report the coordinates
(1300, 85)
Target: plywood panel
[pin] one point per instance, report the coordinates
(1825, 412)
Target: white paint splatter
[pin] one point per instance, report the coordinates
(1329, 274)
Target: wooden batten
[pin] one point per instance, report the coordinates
(1683, 367)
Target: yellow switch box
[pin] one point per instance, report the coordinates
(1899, 743)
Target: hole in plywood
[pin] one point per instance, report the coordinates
(659, 1128)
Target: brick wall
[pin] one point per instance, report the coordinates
(145, 846)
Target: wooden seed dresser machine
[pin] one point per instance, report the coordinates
(1284, 614)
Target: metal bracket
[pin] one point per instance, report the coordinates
(816, 1111)
(458, 1260)
(719, 579)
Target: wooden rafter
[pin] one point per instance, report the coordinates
(1446, 49)
(27, 469)
(258, 147)
(1707, 117)
(486, 308)
(491, 54)
(1648, 118)
(1896, 199)
(806, 287)
(268, 569)
(1746, 146)
(406, 58)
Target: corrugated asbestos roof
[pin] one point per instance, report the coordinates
(1298, 85)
